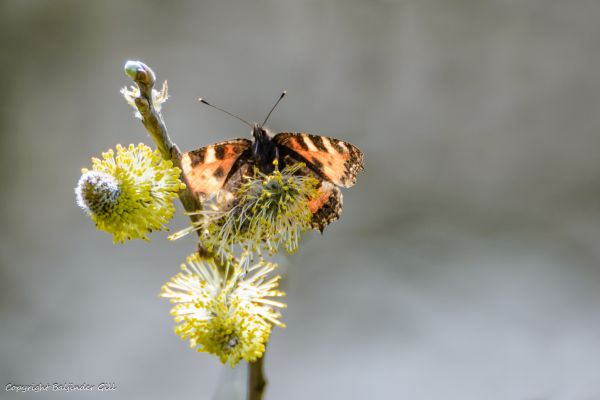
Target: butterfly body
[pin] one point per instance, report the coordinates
(264, 149)
(222, 166)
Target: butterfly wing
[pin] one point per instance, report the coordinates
(326, 207)
(334, 160)
(206, 169)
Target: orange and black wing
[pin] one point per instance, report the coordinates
(334, 160)
(326, 207)
(206, 169)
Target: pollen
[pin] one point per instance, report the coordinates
(266, 212)
(129, 193)
(228, 312)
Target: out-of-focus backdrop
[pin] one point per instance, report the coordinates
(465, 266)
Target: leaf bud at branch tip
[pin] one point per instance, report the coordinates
(140, 72)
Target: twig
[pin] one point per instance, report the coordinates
(145, 79)
(256, 379)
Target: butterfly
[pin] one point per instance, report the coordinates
(334, 162)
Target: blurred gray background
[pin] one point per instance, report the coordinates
(465, 266)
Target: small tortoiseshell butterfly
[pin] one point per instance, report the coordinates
(223, 165)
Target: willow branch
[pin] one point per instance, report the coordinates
(257, 382)
(145, 79)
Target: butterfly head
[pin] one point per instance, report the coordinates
(259, 133)
(264, 150)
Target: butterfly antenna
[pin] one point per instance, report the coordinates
(201, 100)
(277, 102)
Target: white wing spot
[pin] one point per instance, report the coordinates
(328, 146)
(309, 144)
(210, 156)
